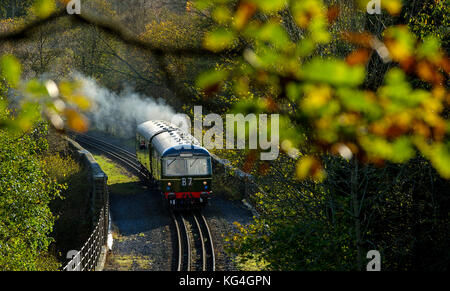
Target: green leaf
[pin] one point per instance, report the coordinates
(275, 34)
(334, 72)
(438, 154)
(221, 14)
(399, 91)
(355, 100)
(399, 151)
(219, 39)
(248, 106)
(293, 91)
(36, 88)
(28, 116)
(441, 159)
(290, 134)
(203, 4)
(429, 48)
(268, 6)
(11, 69)
(305, 47)
(210, 78)
(402, 150)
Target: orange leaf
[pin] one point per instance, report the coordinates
(249, 161)
(408, 64)
(428, 73)
(445, 64)
(243, 14)
(333, 13)
(358, 57)
(76, 121)
(264, 168)
(363, 39)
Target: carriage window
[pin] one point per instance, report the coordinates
(174, 167)
(198, 166)
(142, 145)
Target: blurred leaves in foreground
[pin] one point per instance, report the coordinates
(323, 99)
(61, 103)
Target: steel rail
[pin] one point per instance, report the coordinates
(131, 163)
(180, 247)
(210, 244)
(188, 243)
(119, 149)
(128, 155)
(202, 243)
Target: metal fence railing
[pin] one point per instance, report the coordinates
(87, 258)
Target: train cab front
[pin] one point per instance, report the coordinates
(186, 182)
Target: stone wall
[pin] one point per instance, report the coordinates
(236, 181)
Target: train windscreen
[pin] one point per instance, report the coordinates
(198, 166)
(195, 166)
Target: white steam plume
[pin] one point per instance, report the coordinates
(120, 113)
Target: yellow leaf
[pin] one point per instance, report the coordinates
(310, 167)
(81, 101)
(392, 6)
(76, 121)
(43, 8)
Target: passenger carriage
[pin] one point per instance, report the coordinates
(176, 162)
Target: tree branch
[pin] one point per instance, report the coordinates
(116, 30)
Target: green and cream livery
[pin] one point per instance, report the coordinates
(176, 162)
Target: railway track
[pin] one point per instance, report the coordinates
(125, 157)
(195, 247)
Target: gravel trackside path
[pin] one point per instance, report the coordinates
(141, 233)
(140, 223)
(220, 214)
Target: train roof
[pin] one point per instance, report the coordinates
(169, 140)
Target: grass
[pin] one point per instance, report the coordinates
(119, 180)
(130, 262)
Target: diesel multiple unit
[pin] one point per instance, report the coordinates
(176, 162)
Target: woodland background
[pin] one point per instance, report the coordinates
(343, 81)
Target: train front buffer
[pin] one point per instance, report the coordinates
(187, 192)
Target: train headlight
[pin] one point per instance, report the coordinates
(204, 183)
(169, 184)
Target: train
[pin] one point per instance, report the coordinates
(175, 161)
